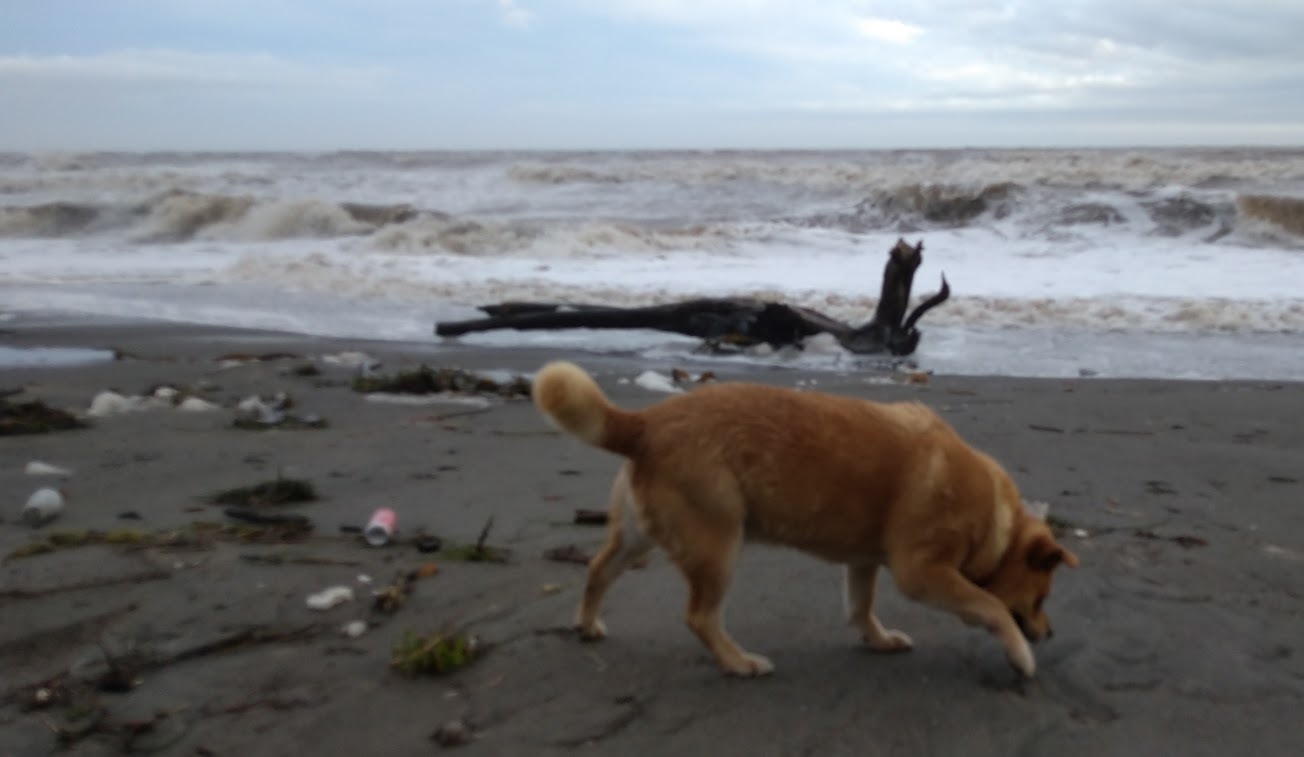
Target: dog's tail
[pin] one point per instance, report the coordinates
(569, 396)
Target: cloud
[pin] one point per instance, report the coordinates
(886, 30)
(159, 66)
(514, 15)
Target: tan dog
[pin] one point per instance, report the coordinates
(851, 481)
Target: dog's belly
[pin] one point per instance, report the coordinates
(835, 541)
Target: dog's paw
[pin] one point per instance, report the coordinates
(889, 642)
(1021, 659)
(595, 631)
(750, 666)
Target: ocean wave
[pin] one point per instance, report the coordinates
(50, 219)
(1282, 213)
(433, 234)
(914, 207)
(833, 171)
(179, 216)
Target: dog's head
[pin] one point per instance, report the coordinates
(1022, 582)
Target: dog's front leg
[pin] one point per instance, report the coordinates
(943, 586)
(859, 587)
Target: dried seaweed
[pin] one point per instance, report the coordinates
(34, 417)
(427, 380)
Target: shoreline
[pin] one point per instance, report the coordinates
(1179, 634)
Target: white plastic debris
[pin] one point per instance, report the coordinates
(196, 405)
(38, 468)
(109, 402)
(43, 506)
(168, 393)
(354, 629)
(1080, 533)
(328, 598)
(657, 382)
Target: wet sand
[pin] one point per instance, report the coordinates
(1180, 634)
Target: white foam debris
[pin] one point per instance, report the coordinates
(328, 598)
(354, 629)
(351, 359)
(168, 393)
(109, 402)
(196, 405)
(428, 399)
(38, 468)
(657, 382)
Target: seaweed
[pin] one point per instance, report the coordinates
(278, 491)
(438, 653)
(427, 380)
(34, 417)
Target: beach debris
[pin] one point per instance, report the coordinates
(454, 733)
(434, 654)
(328, 598)
(305, 370)
(44, 505)
(568, 553)
(354, 629)
(34, 417)
(256, 413)
(1184, 541)
(388, 600)
(380, 528)
(657, 382)
(427, 569)
(427, 543)
(233, 359)
(427, 380)
(548, 590)
(38, 468)
(1283, 479)
(278, 491)
(585, 517)
(478, 552)
(683, 377)
(352, 359)
(732, 322)
(1159, 487)
(284, 559)
(130, 515)
(196, 405)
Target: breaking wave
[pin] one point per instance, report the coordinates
(1283, 213)
(180, 216)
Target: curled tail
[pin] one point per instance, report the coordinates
(569, 396)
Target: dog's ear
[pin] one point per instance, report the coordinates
(1045, 554)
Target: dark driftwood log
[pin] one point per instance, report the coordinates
(739, 321)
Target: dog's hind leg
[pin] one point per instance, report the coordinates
(626, 545)
(703, 541)
(861, 581)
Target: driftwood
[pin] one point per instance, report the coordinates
(737, 321)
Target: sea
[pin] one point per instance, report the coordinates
(1150, 263)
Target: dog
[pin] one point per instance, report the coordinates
(864, 484)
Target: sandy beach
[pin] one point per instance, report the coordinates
(1180, 633)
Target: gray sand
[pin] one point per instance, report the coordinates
(1180, 633)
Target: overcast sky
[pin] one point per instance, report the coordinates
(449, 74)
